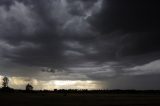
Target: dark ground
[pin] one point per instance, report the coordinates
(51, 99)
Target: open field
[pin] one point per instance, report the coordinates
(47, 99)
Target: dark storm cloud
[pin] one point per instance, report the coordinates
(144, 82)
(89, 39)
(33, 32)
(7, 3)
(128, 16)
(77, 8)
(137, 24)
(31, 36)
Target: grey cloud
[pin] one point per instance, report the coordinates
(32, 33)
(134, 24)
(96, 71)
(81, 7)
(143, 82)
(149, 68)
(87, 39)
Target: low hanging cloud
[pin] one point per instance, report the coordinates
(149, 68)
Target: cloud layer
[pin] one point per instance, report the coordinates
(78, 39)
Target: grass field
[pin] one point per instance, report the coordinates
(41, 99)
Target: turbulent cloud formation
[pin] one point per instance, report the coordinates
(79, 39)
(34, 33)
(134, 23)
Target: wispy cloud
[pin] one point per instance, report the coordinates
(149, 68)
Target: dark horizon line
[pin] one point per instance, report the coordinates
(8, 89)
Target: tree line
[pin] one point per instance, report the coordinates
(29, 88)
(5, 83)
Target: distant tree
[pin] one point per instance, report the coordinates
(5, 82)
(29, 87)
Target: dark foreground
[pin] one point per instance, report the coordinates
(51, 99)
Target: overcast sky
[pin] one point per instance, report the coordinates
(93, 44)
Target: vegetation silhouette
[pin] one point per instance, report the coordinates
(29, 89)
(5, 87)
(5, 82)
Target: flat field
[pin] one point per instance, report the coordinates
(47, 99)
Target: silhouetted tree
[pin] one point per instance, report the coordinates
(29, 87)
(5, 82)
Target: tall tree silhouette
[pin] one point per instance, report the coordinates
(5, 82)
(29, 87)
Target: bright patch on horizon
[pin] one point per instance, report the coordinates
(21, 82)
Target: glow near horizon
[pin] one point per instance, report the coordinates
(20, 83)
